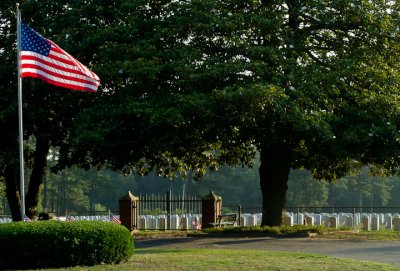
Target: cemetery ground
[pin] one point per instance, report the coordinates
(332, 250)
(234, 259)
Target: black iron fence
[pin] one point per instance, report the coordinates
(253, 209)
(178, 204)
(344, 209)
(169, 204)
(169, 212)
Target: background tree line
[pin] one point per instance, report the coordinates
(77, 189)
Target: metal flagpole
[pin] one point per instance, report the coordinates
(21, 135)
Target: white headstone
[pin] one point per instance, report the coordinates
(174, 222)
(341, 218)
(162, 223)
(357, 219)
(258, 218)
(333, 221)
(243, 221)
(317, 219)
(143, 223)
(325, 221)
(298, 219)
(184, 224)
(252, 221)
(396, 223)
(381, 218)
(375, 222)
(348, 221)
(388, 221)
(246, 219)
(366, 225)
(289, 220)
(309, 220)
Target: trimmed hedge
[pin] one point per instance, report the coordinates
(47, 244)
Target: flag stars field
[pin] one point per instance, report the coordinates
(31, 41)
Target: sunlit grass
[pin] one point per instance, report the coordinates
(284, 231)
(383, 234)
(206, 259)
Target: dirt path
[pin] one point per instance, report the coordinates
(378, 251)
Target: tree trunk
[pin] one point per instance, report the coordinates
(37, 176)
(11, 173)
(274, 174)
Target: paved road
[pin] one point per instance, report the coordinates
(379, 251)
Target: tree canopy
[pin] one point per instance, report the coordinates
(309, 84)
(191, 85)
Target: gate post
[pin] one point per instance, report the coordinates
(211, 209)
(169, 209)
(128, 211)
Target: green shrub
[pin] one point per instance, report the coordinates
(278, 230)
(60, 244)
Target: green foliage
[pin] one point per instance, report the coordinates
(80, 190)
(236, 185)
(303, 190)
(297, 230)
(193, 85)
(364, 190)
(218, 80)
(360, 189)
(61, 244)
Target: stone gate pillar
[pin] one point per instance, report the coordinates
(211, 209)
(128, 211)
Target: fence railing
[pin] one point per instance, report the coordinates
(343, 209)
(169, 204)
(252, 209)
(157, 204)
(168, 211)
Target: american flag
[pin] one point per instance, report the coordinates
(69, 218)
(114, 218)
(27, 219)
(196, 224)
(41, 58)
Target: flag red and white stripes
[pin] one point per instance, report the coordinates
(41, 58)
(27, 219)
(114, 218)
(69, 218)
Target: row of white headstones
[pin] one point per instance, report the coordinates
(365, 221)
(63, 218)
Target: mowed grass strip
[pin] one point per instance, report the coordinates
(382, 234)
(210, 259)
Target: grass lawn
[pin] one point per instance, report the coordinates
(363, 235)
(284, 231)
(206, 259)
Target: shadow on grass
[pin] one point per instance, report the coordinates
(159, 242)
(163, 251)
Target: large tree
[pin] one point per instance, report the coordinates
(197, 84)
